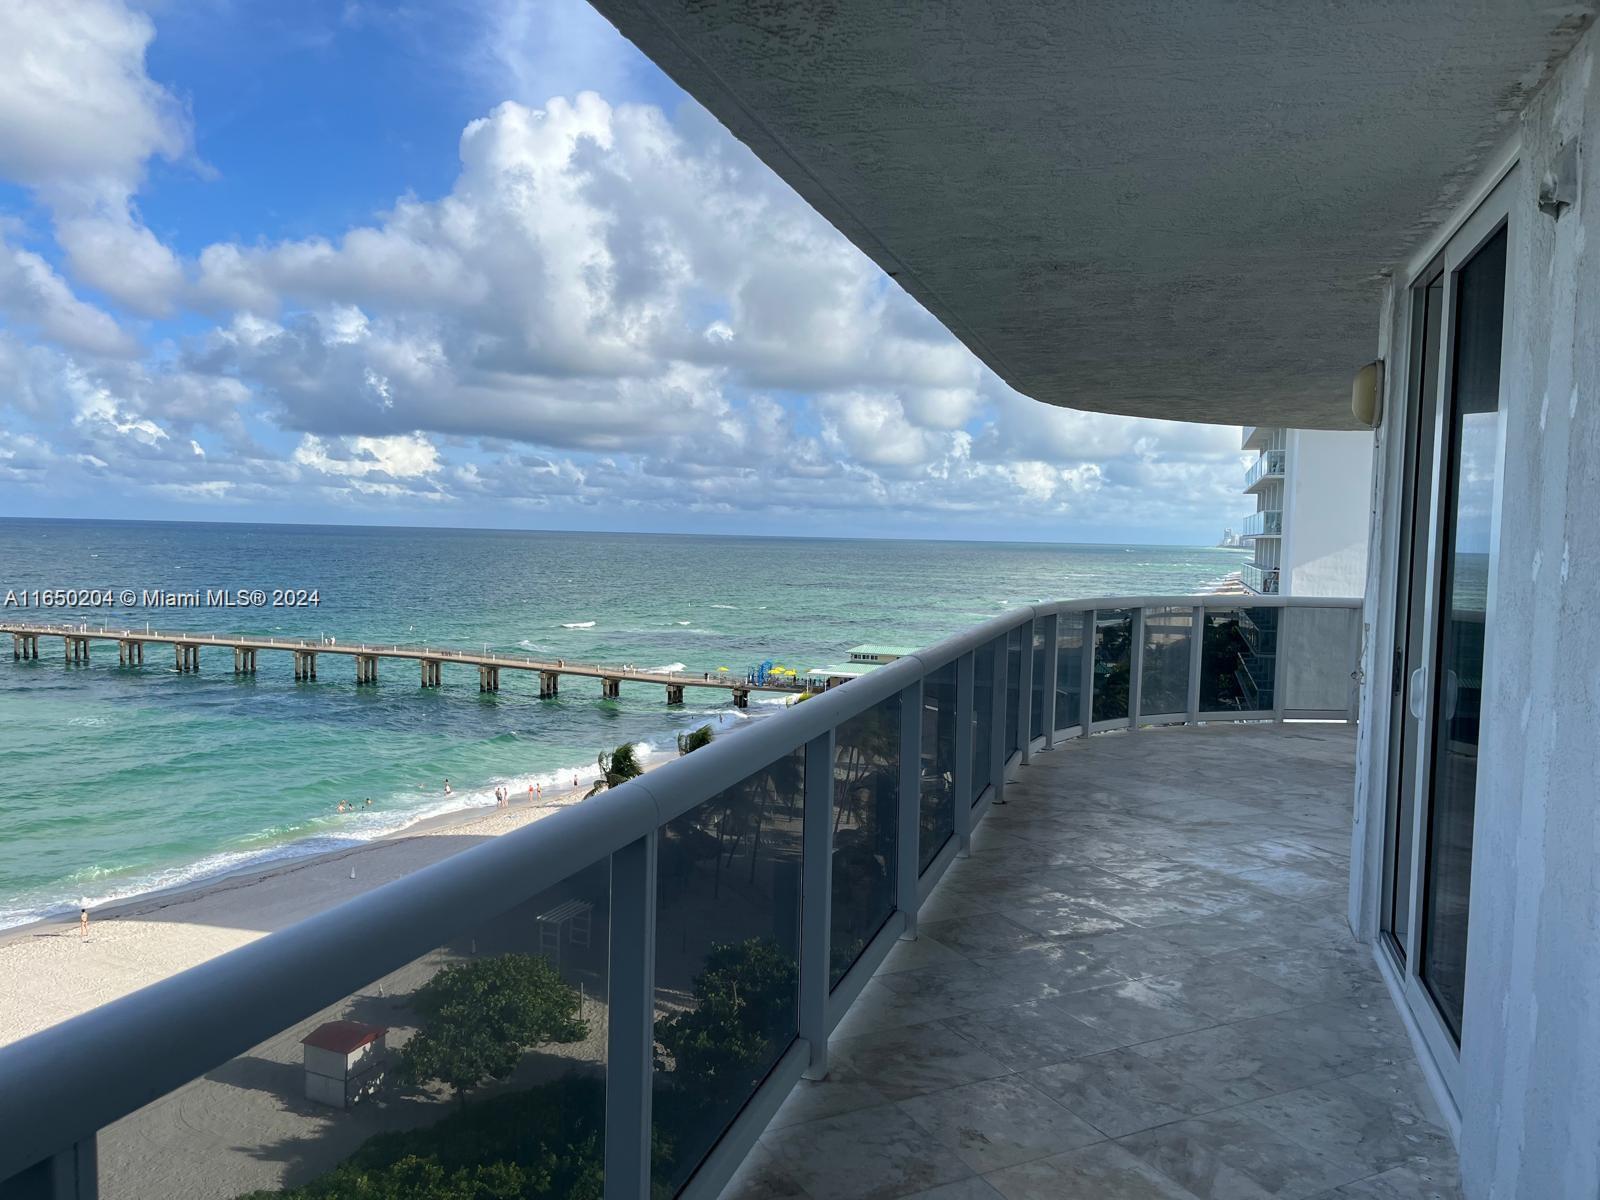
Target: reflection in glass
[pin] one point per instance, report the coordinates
(866, 789)
(1014, 641)
(982, 718)
(1458, 690)
(1238, 660)
(1038, 682)
(1113, 657)
(727, 947)
(1069, 668)
(1164, 689)
(480, 1065)
(938, 762)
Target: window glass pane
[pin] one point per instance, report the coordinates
(866, 789)
(982, 719)
(938, 761)
(1168, 635)
(1238, 659)
(1464, 582)
(1036, 703)
(1113, 649)
(1013, 690)
(1069, 668)
(727, 967)
(480, 1064)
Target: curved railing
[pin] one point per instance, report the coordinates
(672, 954)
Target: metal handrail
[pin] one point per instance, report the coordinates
(64, 1084)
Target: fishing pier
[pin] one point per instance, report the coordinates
(431, 661)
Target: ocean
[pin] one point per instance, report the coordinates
(119, 782)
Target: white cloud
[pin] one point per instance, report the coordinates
(33, 296)
(79, 117)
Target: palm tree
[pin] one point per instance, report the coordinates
(695, 739)
(616, 768)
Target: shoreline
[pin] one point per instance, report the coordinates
(49, 974)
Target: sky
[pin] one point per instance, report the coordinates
(480, 263)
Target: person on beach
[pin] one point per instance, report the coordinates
(369, 802)
(446, 787)
(539, 790)
(530, 793)
(83, 924)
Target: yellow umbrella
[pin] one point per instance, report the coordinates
(722, 668)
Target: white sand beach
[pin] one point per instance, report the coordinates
(48, 973)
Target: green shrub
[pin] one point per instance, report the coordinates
(479, 1018)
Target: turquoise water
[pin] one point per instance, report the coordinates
(120, 781)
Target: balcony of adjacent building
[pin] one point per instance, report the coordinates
(1261, 580)
(1267, 522)
(1267, 467)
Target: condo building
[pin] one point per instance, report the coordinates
(1008, 915)
(1312, 490)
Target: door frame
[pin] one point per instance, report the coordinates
(1447, 254)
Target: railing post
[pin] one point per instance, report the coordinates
(1086, 687)
(1052, 665)
(997, 723)
(1025, 694)
(1279, 675)
(1197, 641)
(963, 764)
(630, 1039)
(908, 869)
(1136, 667)
(70, 1174)
(816, 902)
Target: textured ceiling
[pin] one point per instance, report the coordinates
(1175, 210)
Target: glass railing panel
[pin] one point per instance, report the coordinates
(938, 771)
(866, 792)
(1113, 658)
(727, 959)
(1168, 638)
(1259, 579)
(1317, 647)
(478, 1069)
(1038, 684)
(1014, 640)
(982, 719)
(1069, 669)
(1233, 676)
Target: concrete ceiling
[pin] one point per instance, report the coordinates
(1164, 209)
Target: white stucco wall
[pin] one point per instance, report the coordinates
(1528, 1090)
(1531, 1041)
(1326, 507)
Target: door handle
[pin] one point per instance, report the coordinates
(1414, 692)
(1452, 685)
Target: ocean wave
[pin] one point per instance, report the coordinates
(680, 622)
(731, 606)
(578, 625)
(529, 644)
(668, 668)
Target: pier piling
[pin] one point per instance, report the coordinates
(674, 693)
(741, 698)
(549, 684)
(610, 689)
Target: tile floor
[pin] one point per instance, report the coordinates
(1140, 985)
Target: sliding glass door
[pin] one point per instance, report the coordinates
(1443, 614)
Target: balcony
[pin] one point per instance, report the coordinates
(1268, 522)
(1267, 466)
(1141, 983)
(1263, 581)
(1142, 967)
